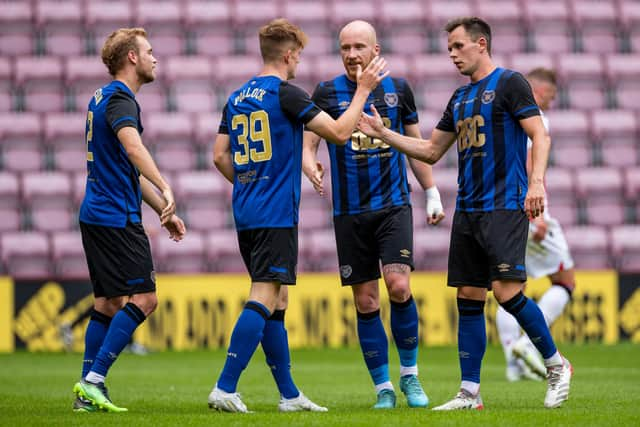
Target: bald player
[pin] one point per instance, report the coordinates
(372, 213)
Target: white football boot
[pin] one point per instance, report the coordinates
(463, 400)
(300, 403)
(559, 380)
(227, 402)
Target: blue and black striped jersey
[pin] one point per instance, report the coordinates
(367, 174)
(112, 195)
(492, 146)
(265, 120)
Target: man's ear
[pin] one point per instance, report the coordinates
(287, 56)
(132, 56)
(482, 42)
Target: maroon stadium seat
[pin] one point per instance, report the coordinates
(47, 190)
(439, 12)
(20, 136)
(614, 127)
(167, 128)
(104, 16)
(62, 24)
(16, 17)
(600, 189)
(223, 254)
(572, 156)
(26, 255)
(559, 184)
(186, 256)
(625, 245)
(13, 44)
(431, 248)
(569, 128)
(253, 14)
(311, 16)
(344, 11)
(323, 255)
(623, 71)
(9, 202)
(232, 71)
(68, 256)
(589, 247)
(40, 78)
(525, 62)
(202, 189)
(583, 76)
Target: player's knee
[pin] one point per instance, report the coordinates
(399, 291)
(110, 306)
(147, 302)
(366, 303)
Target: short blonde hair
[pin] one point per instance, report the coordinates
(543, 74)
(118, 45)
(278, 36)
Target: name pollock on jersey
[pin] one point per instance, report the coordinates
(255, 93)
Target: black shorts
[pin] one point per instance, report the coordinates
(119, 260)
(487, 246)
(270, 254)
(363, 240)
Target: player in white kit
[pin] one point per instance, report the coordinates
(547, 255)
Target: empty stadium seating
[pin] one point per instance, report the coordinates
(50, 67)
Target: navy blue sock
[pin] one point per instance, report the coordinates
(472, 338)
(93, 338)
(531, 319)
(275, 344)
(244, 340)
(404, 327)
(122, 327)
(374, 345)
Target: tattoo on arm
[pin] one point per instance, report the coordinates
(396, 268)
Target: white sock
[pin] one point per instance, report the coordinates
(92, 377)
(408, 370)
(553, 302)
(384, 386)
(508, 330)
(554, 360)
(471, 387)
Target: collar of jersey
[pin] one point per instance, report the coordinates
(124, 87)
(485, 78)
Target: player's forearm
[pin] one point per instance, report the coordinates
(423, 173)
(150, 197)
(539, 157)
(347, 122)
(309, 152)
(142, 160)
(224, 164)
(419, 149)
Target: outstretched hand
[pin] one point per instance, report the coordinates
(372, 74)
(371, 125)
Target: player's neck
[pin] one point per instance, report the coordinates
(486, 67)
(273, 70)
(132, 82)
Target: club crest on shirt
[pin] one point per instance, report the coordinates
(488, 96)
(391, 99)
(98, 96)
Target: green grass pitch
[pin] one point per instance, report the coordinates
(170, 389)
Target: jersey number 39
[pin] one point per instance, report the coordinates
(254, 137)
